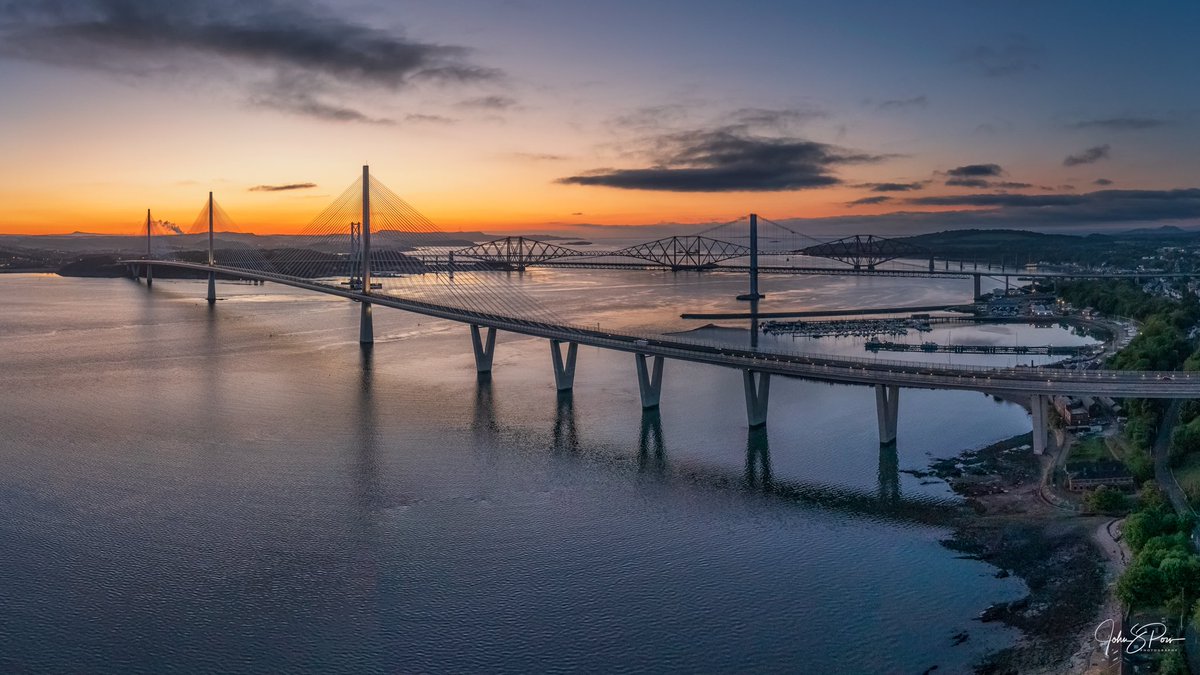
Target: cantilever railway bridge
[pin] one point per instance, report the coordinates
(487, 310)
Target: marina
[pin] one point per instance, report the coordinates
(877, 345)
(849, 328)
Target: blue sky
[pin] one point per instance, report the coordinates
(538, 114)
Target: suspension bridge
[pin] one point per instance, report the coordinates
(339, 259)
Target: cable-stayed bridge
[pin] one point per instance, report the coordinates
(352, 250)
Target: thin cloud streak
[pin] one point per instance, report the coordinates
(282, 188)
(1120, 123)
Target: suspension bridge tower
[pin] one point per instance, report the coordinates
(366, 327)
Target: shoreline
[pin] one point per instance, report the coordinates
(1061, 556)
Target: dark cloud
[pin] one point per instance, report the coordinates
(996, 199)
(271, 33)
(282, 188)
(892, 187)
(1102, 181)
(982, 183)
(979, 177)
(869, 200)
(1014, 55)
(1089, 156)
(1103, 206)
(287, 41)
(489, 103)
(729, 160)
(903, 103)
(976, 170)
(978, 183)
(1120, 123)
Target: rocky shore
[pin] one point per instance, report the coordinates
(1011, 525)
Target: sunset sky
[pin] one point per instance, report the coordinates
(527, 115)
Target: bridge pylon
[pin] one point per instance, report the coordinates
(212, 276)
(149, 269)
(366, 325)
(564, 370)
(484, 348)
(649, 380)
(753, 295)
(887, 409)
(758, 390)
(1038, 404)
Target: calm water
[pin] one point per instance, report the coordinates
(245, 490)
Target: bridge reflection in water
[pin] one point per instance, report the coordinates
(650, 457)
(652, 452)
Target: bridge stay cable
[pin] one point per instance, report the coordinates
(328, 250)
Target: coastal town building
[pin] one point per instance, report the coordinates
(1096, 474)
(1072, 411)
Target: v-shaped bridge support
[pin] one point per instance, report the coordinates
(649, 380)
(758, 390)
(484, 348)
(564, 373)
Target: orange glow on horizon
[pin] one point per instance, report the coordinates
(548, 209)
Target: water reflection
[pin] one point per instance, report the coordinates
(566, 436)
(651, 449)
(483, 420)
(366, 466)
(758, 459)
(889, 474)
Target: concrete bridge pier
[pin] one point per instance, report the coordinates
(649, 380)
(484, 349)
(978, 289)
(564, 373)
(887, 409)
(366, 326)
(212, 288)
(1041, 423)
(149, 275)
(758, 391)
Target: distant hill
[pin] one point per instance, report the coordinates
(1025, 246)
(1164, 231)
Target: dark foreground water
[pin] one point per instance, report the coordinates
(245, 490)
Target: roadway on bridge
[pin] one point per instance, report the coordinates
(1018, 381)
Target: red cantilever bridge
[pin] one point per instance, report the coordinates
(690, 252)
(487, 308)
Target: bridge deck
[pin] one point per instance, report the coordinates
(1017, 381)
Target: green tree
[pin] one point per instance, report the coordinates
(1172, 663)
(1141, 585)
(1107, 500)
(1184, 441)
(1144, 526)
